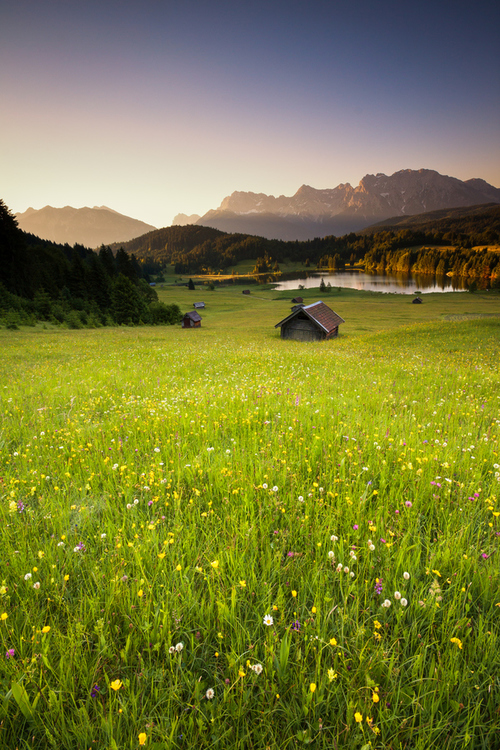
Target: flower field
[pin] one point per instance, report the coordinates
(221, 541)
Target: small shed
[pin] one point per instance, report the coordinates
(297, 307)
(246, 291)
(315, 322)
(198, 305)
(296, 300)
(416, 301)
(191, 320)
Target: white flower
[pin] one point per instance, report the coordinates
(346, 569)
(157, 450)
(103, 536)
(27, 576)
(136, 501)
(268, 620)
(275, 489)
(339, 567)
(406, 575)
(334, 538)
(36, 585)
(171, 650)
(209, 694)
(179, 647)
(404, 602)
(397, 595)
(371, 547)
(76, 549)
(129, 506)
(351, 574)
(264, 486)
(386, 603)
(60, 544)
(257, 668)
(301, 499)
(331, 555)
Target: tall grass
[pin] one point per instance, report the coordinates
(165, 495)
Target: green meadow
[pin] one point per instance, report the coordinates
(213, 538)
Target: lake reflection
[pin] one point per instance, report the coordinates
(374, 282)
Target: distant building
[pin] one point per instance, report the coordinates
(198, 305)
(191, 320)
(315, 322)
(246, 291)
(416, 301)
(296, 300)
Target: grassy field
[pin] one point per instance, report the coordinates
(217, 539)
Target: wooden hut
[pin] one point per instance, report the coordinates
(191, 320)
(246, 291)
(416, 301)
(315, 322)
(198, 305)
(297, 300)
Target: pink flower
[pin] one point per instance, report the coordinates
(10, 653)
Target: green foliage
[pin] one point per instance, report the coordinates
(161, 495)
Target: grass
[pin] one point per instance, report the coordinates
(163, 491)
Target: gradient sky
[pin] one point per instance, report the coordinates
(156, 107)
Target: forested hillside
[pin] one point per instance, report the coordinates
(75, 286)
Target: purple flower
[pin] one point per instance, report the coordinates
(378, 586)
(484, 556)
(95, 691)
(10, 653)
(355, 527)
(295, 625)
(408, 503)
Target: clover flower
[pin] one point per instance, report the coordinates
(210, 694)
(257, 668)
(386, 603)
(406, 576)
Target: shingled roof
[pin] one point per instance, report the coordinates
(318, 312)
(195, 317)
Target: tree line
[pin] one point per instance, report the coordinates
(73, 286)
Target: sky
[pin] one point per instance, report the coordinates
(160, 107)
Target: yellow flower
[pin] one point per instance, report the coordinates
(333, 641)
(3, 616)
(457, 641)
(377, 624)
(46, 629)
(142, 738)
(375, 697)
(178, 568)
(243, 584)
(116, 684)
(437, 573)
(313, 610)
(161, 555)
(241, 672)
(215, 564)
(294, 593)
(358, 717)
(331, 675)
(140, 592)
(312, 687)
(66, 577)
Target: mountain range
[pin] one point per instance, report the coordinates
(343, 209)
(91, 227)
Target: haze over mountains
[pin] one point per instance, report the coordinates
(91, 227)
(318, 213)
(307, 214)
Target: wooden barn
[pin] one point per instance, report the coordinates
(246, 291)
(416, 301)
(297, 300)
(315, 322)
(191, 320)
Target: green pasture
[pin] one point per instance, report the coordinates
(214, 538)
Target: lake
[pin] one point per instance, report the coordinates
(374, 282)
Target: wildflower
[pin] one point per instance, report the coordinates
(397, 595)
(334, 538)
(358, 717)
(66, 577)
(243, 584)
(257, 668)
(36, 585)
(142, 738)
(275, 489)
(241, 672)
(331, 555)
(295, 625)
(386, 603)
(406, 575)
(27, 576)
(378, 585)
(375, 697)
(95, 691)
(457, 641)
(140, 593)
(346, 569)
(179, 647)
(408, 503)
(339, 567)
(3, 616)
(171, 650)
(312, 687)
(371, 547)
(45, 628)
(264, 486)
(332, 675)
(215, 564)
(268, 620)
(294, 593)
(10, 653)
(209, 694)
(377, 624)
(301, 499)
(178, 568)
(404, 602)
(333, 641)
(355, 527)
(116, 684)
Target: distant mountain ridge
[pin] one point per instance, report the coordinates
(317, 213)
(91, 227)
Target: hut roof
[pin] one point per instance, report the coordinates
(195, 317)
(198, 304)
(319, 313)
(297, 299)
